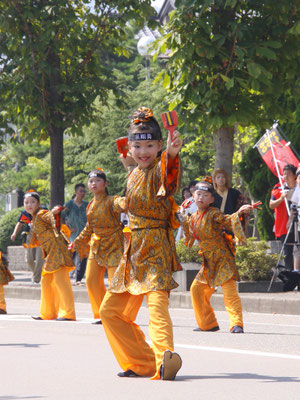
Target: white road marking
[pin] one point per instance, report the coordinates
(237, 351)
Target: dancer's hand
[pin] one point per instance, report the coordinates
(174, 146)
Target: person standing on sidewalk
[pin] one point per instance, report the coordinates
(34, 256)
(75, 214)
(278, 204)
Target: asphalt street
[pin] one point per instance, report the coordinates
(72, 360)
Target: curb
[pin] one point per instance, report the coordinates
(268, 303)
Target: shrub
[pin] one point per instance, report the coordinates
(7, 225)
(253, 261)
(187, 254)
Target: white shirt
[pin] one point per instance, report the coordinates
(296, 200)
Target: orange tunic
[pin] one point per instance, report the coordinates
(53, 243)
(217, 264)
(5, 274)
(102, 238)
(150, 257)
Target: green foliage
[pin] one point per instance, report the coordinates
(26, 166)
(230, 63)
(225, 56)
(7, 225)
(253, 261)
(55, 64)
(187, 254)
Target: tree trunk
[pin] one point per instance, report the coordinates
(223, 139)
(57, 167)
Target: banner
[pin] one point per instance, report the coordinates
(281, 151)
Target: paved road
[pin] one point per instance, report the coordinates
(72, 360)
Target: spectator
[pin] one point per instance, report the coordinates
(277, 203)
(227, 199)
(185, 194)
(34, 256)
(188, 206)
(296, 202)
(75, 213)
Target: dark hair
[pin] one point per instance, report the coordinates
(78, 185)
(290, 167)
(185, 189)
(97, 173)
(193, 183)
(32, 193)
(144, 122)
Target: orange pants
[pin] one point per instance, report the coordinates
(57, 298)
(204, 313)
(95, 284)
(127, 340)
(2, 298)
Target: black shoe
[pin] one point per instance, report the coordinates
(2, 311)
(37, 318)
(127, 374)
(64, 319)
(98, 322)
(214, 329)
(237, 329)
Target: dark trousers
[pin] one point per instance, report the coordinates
(288, 250)
(80, 266)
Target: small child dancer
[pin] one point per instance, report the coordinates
(5, 277)
(218, 266)
(102, 239)
(57, 301)
(149, 261)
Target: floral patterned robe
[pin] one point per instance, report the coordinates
(102, 238)
(54, 244)
(217, 252)
(150, 256)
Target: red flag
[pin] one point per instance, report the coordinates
(282, 152)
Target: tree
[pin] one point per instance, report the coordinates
(230, 63)
(53, 66)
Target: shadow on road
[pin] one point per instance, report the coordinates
(244, 376)
(22, 345)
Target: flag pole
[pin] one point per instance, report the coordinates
(277, 169)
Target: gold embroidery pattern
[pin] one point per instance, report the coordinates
(150, 256)
(52, 242)
(102, 238)
(217, 260)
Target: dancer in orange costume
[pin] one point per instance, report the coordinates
(149, 261)
(102, 239)
(218, 266)
(57, 301)
(5, 277)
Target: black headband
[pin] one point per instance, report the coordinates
(141, 136)
(94, 174)
(297, 173)
(205, 188)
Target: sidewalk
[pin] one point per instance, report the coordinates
(269, 303)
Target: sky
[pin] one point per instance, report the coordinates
(157, 4)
